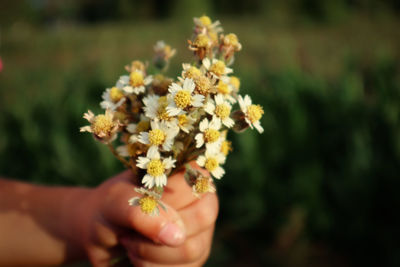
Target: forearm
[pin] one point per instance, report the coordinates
(36, 224)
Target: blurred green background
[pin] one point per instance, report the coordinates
(320, 187)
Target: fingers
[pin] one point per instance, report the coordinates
(200, 215)
(193, 250)
(166, 228)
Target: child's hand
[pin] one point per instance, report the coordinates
(181, 236)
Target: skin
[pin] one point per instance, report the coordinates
(47, 226)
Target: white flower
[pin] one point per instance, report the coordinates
(221, 110)
(181, 98)
(203, 185)
(209, 134)
(185, 122)
(148, 203)
(134, 83)
(160, 135)
(211, 162)
(190, 71)
(155, 167)
(253, 113)
(155, 108)
(104, 126)
(204, 23)
(216, 67)
(112, 98)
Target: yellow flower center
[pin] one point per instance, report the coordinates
(205, 20)
(147, 204)
(102, 124)
(203, 85)
(235, 82)
(218, 68)
(142, 126)
(182, 99)
(202, 40)
(231, 39)
(155, 168)
(192, 72)
(222, 111)
(254, 113)
(223, 88)
(136, 79)
(202, 185)
(226, 146)
(211, 135)
(182, 119)
(156, 137)
(211, 164)
(116, 94)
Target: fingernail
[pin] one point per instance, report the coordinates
(171, 235)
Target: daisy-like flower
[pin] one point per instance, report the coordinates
(155, 108)
(190, 71)
(252, 113)
(160, 135)
(209, 134)
(204, 24)
(156, 168)
(185, 122)
(135, 83)
(204, 85)
(112, 98)
(200, 184)
(148, 203)
(203, 185)
(201, 45)
(216, 67)
(220, 110)
(230, 43)
(104, 127)
(182, 98)
(211, 162)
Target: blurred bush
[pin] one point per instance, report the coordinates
(318, 188)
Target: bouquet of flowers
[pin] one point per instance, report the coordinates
(164, 123)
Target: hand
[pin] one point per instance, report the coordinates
(181, 236)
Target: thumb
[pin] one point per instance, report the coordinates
(166, 228)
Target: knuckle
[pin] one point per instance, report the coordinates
(192, 250)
